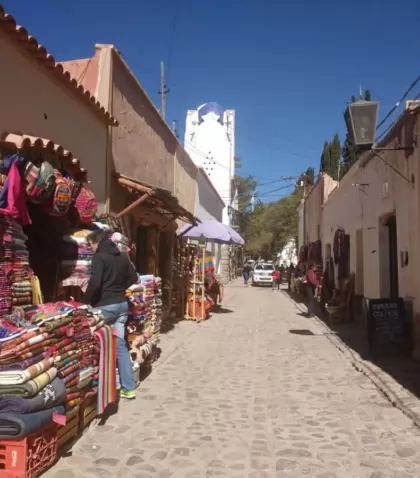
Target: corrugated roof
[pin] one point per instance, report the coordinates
(20, 35)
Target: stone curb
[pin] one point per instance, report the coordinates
(386, 384)
(397, 395)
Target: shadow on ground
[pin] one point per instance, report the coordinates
(401, 368)
(221, 310)
(301, 332)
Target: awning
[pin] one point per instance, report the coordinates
(21, 142)
(159, 199)
(211, 230)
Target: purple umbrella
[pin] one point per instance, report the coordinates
(208, 230)
(237, 239)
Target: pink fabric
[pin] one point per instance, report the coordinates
(16, 200)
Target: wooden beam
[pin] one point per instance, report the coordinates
(138, 187)
(133, 205)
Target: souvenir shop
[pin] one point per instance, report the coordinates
(57, 356)
(338, 283)
(150, 215)
(202, 290)
(308, 254)
(196, 288)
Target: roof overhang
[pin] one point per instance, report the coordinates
(159, 199)
(21, 143)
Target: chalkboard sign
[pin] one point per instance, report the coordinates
(388, 328)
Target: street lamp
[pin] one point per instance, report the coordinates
(361, 118)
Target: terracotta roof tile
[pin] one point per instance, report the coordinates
(23, 141)
(20, 35)
(85, 71)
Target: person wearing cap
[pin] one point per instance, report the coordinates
(111, 275)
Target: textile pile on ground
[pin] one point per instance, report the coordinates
(15, 273)
(59, 358)
(146, 316)
(77, 260)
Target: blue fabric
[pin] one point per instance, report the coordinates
(7, 162)
(19, 425)
(117, 315)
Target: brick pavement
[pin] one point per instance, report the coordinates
(256, 392)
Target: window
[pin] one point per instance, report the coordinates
(264, 267)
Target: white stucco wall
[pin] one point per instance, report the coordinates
(288, 255)
(211, 145)
(209, 206)
(301, 232)
(364, 199)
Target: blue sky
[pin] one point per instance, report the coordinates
(287, 67)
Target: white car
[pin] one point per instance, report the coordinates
(262, 274)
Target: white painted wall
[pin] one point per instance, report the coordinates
(288, 255)
(211, 145)
(301, 227)
(364, 199)
(209, 205)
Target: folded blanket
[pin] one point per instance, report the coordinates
(24, 364)
(52, 395)
(27, 345)
(16, 377)
(19, 425)
(31, 388)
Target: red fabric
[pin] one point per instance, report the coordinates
(312, 278)
(16, 200)
(276, 275)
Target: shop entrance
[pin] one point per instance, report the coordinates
(388, 257)
(359, 279)
(393, 256)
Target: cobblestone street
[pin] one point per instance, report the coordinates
(257, 391)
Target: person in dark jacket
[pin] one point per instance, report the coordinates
(111, 275)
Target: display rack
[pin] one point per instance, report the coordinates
(197, 283)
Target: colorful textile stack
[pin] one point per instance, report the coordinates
(204, 260)
(15, 273)
(77, 260)
(59, 360)
(146, 316)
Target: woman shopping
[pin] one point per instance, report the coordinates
(112, 274)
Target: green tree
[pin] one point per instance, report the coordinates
(325, 162)
(350, 152)
(335, 157)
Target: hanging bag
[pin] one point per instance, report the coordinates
(43, 187)
(62, 196)
(86, 205)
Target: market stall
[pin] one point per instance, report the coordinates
(57, 358)
(204, 289)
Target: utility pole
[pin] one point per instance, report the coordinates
(164, 90)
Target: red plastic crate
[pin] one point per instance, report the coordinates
(28, 457)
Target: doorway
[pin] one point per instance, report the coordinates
(360, 275)
(388, 257)
(393, 256)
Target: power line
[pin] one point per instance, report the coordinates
(205, 156)
(404, 96)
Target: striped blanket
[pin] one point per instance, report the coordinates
(107, 380)
(14, 377)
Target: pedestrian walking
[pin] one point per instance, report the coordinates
(312, 285)
(290, 276)
(276, 279)
(111, 275)
(245, 272)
